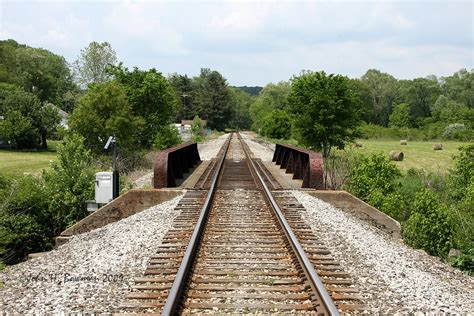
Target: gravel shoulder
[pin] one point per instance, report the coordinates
(392, 277)
(262, 150)
(209, 149)
(90, 274)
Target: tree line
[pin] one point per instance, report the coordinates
(97, 90)
(426, 108)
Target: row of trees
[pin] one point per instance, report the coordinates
(104, 98)
(436, 107)
(36, 82)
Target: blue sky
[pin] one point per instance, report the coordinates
(254, 43)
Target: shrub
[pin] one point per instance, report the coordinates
(463, 172)
(197, 129)
(465, 261)
(167, 136)
(25, 221)
(454, 131)
(277, 125)
(461, 196)
(338, 166)
(70, 182)
(430, 227)
(392, 204)
(371, 173)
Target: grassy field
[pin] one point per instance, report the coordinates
(15, 163)
(418, 154)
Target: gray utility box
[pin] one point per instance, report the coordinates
(104, 187)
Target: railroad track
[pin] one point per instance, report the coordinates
(233, 249)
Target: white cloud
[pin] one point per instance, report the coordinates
(143, 21)
(238, 17)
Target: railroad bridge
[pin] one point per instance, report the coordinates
(239, 243)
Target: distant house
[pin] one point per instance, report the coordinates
(184, 128)
(186, 124)
(64, 117)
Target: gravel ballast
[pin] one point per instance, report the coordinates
(392, 277)
(210, 149)
(92, 272)
(261, 150)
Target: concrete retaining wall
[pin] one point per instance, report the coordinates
(346, 201)
(130, 203)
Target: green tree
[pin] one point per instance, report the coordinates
(152, 98)
(183, 87)
(91, 65)
(241, 102)
(460, 87)
(421, 95)
(326, 112)
(400, 116)
(277, 125)
(104, 111)
(384, 93)
(26, 121)
(362, 90)
(272, 97)
(213, 99)
(35, 70)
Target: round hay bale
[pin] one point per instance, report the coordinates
(358, 144)
(438, 147)
(403, 142)
(396, 155)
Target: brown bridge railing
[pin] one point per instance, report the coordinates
(172, 163)
(303, 164)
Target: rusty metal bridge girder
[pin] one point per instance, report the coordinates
(173, 163)
(303, 164)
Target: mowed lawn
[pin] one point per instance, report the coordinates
(417, 154)
(15, 163)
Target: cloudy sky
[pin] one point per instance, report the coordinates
(254, 43)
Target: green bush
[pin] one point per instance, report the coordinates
(337, 167)
(35, 210)
(167, 136)
(70, 182)
(26, 224)
(197, 129)
(277, 125)
(465, 261)
(463, 172)
(430, 227)
(371, 173)
(392, 204)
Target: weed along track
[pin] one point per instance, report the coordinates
(234, 250)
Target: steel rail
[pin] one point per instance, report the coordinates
(309, 271)
(179, 282)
